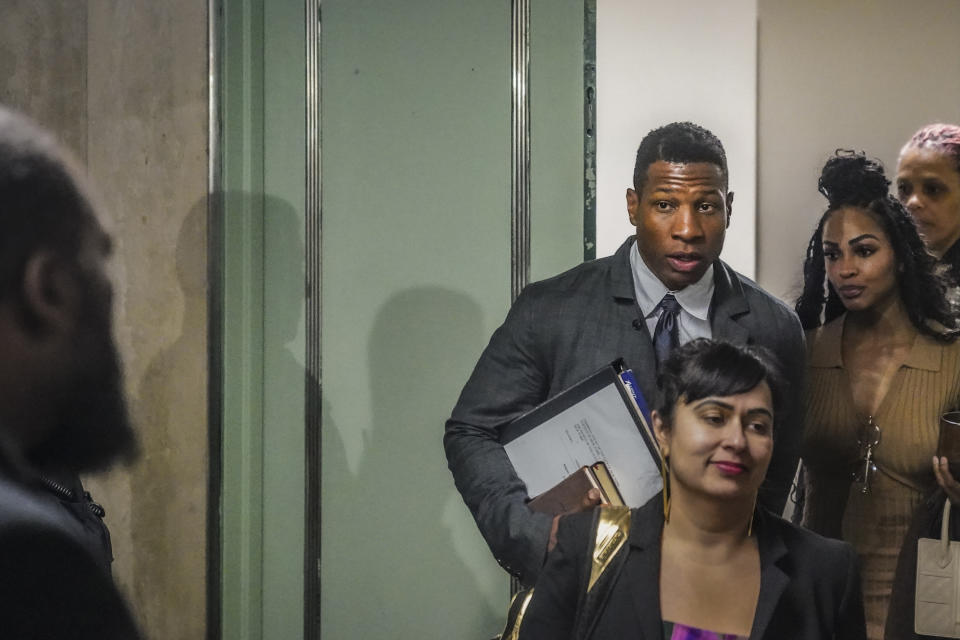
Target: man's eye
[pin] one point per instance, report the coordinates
(706, 207)
(663, 205)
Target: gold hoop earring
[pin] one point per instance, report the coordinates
(753, 512)
(665, 475)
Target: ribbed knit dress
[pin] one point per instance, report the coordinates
(925, 386)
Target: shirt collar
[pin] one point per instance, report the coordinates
(826, 342)
(694, 299)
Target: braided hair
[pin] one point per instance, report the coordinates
(943, 138)
(850, 179)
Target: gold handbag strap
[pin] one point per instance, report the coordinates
(518, 606)
(613, 525)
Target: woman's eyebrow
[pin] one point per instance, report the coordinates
(715, 402)
(726, 405)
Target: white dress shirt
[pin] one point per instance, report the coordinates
(694, 317)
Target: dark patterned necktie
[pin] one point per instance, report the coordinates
(666, 336)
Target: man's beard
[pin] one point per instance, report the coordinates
(93, 430)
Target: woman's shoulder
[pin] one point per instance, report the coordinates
(576, 526)
(950, 348)
(935, 355)
(835, 326)
(578, 530)
(807, 543)
(823, 343)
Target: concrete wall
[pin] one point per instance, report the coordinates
(857, 74)
(124, 84)
(43, 66)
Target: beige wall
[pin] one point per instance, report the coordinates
(124, 84)
(857, 74)
(43, 65)
(660, 62)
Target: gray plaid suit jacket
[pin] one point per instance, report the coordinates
(558, 332)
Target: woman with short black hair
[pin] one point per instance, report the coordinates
(701, 560)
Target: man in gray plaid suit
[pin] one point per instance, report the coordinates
(562, 329)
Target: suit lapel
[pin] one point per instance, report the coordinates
(773, 579)
(729, 306)
(637, 351)
(642, 570)
(728, 313)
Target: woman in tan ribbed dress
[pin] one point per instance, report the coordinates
(883, 366)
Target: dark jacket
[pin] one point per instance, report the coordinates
(53, 584)
(809, 585)
(557, 333)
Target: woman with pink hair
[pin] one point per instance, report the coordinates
(928, 185)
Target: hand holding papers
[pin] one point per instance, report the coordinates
(596, 420)
(568, 495)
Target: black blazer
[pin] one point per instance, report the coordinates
(558, 332)
(809, 585)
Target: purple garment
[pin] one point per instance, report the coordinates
(675, 631)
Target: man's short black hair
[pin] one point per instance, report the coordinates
(680, 142)
(42, 198)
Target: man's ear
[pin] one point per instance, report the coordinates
(50, 292)
(729, 206)
(660, 432)
(633, 206)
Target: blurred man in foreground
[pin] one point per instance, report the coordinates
(61, 398)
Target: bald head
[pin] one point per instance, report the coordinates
(43, 201)
(61, 397)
